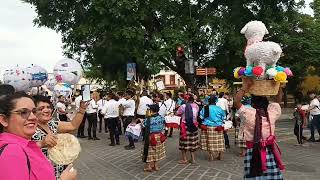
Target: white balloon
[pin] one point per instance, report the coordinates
(39, 75)
(50, 83)
(63, 89)
(18, 77)
(67, 71)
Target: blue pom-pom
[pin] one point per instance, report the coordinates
(248, 71)
(280, 68)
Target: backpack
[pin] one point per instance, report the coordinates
(28, 160)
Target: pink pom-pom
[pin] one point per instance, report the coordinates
(257, 71)
(288, 72)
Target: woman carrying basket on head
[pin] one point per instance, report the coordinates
(262, 160)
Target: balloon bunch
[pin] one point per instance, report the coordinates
(277, 73)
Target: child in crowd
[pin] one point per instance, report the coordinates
(154, 147)
(300, 118)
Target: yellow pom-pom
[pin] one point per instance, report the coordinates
(280, 76)
(236, 73)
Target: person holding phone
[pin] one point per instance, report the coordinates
(47, 128)
(20, 157)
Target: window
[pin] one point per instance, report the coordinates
(172, 79)
(163, 79)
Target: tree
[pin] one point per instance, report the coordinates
(106, 34)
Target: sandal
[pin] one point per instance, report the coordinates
(192, 161)
(156, 168)
(147, 169)
(183, 162)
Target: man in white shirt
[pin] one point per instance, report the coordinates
(223, 103)
(80, 133)
(61, 108)
(314, 110)
(170, 105)
(111, 114)
(92, 116)
(101, 103)
(121, 100)
(128, 114)
(142, 107)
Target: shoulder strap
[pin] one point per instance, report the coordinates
(170, 105)
(2, 148)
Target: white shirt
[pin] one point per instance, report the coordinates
(315, 111)
(162, 109)
(61, 106)
(93, 107)
(122, 100)
(77, 102)
(170, 106)
(142, 107)
(223, 103)
(129, 107)
(111, 109)
(101, 103)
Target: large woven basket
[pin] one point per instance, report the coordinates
(265, 88)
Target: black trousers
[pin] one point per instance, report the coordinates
(170, 130)
(126, 121)
(298, 131)
(315, 124)
(113, 129)
(119, 125)
(82, 125)
(226, 138)
(101, 118)
(63, 117)
(92, 120)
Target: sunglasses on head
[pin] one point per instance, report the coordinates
(25, 113)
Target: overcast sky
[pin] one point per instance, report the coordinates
(21, 43)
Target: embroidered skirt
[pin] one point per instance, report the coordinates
(190, 143)
(272, 173)
(156, 153)
(211, 140)
(239, 139)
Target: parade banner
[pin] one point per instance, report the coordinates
(131, 71)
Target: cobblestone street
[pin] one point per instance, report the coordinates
(98, 161)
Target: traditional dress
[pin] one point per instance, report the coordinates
(269, 152)
(40, 134)
(189, 139)
(154, 148)
(212, 139)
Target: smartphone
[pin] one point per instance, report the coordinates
(86, 92)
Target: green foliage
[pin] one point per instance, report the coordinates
(109, 33)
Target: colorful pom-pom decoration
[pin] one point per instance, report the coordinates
(288, 72)
(280, 77)
(272, 72)
(241, 71)
(236, 73)
(248, 71)
(258, 71)
(280, 68)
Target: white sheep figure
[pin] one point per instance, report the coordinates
(258, 52)
(254, 31)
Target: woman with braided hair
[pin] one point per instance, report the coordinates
(262, 159)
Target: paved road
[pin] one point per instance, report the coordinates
(98, 161)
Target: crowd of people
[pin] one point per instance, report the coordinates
(30, 125)
(202, 125)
